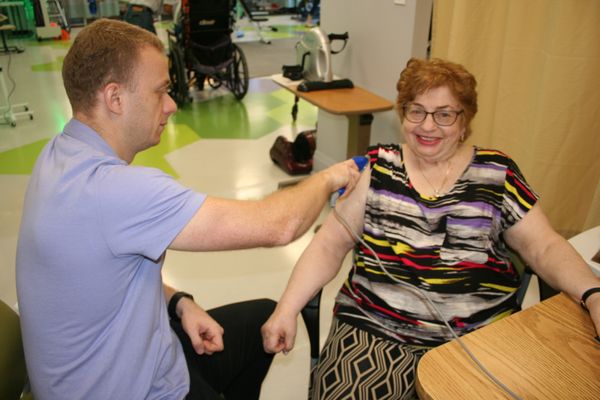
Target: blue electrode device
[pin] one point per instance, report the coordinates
(361, 162)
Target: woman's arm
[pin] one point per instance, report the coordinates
(554, 259)
(318, 264)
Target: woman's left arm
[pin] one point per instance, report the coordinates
(554, 259)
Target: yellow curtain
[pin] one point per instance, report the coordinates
(537, 63)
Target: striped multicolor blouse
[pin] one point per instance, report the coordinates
(450, 247)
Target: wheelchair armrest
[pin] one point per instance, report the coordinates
(310, 314)
(546, 291)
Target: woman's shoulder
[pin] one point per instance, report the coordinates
(382, 147)
(385, 153)
(488, 155)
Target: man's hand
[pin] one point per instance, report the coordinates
(279, 332)
(344, 174)
(204, 332)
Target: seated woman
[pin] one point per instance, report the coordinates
(436, 218)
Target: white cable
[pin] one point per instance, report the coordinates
(423, 294)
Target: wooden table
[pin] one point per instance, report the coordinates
(357, 104)
(544, 352)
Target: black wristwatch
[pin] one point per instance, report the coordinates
(587, 294)
(172, 308)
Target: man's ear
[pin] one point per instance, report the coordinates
(112, 96)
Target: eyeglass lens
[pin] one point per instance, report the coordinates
(442, 117)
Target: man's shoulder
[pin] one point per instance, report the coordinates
(112, 181)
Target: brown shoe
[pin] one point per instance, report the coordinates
(304, 146)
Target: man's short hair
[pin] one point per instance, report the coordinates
(104, 51)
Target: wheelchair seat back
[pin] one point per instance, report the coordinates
(205, 20)
(207, 30)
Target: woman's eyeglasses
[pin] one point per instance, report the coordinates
(416, 115)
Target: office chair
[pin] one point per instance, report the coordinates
(310, 315)
(13, 373)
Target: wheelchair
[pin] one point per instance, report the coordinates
(201, 50)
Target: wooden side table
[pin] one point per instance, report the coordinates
(357, 104)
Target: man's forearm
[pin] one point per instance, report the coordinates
(299, 206)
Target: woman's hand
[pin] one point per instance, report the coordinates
(279, 332)
(205, 333)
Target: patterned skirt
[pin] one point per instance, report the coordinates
(354, 364)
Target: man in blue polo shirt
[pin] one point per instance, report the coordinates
(97, 320)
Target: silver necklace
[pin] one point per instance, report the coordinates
(437, 191)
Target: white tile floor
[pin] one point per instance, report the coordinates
(213, 278)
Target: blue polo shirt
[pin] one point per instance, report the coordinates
(92, 242)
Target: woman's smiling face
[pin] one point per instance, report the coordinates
(428, 140)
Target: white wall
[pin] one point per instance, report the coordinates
(383, 36)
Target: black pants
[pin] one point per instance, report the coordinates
(236, 372)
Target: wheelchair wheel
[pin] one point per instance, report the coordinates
(237, 73)
(214, 82)
(179, 83)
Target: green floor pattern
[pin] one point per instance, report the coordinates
(54, 66)
(279, 31)
(20, 160)
(221, 118)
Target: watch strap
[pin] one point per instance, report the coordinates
(172, 307)
(587, 294)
